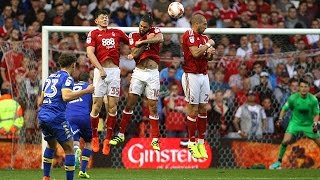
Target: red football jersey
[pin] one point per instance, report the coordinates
(151, 52)
(191, 64)
(107, 43)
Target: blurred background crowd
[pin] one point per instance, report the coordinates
(259, 71)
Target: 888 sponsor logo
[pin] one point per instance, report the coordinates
(108, 42)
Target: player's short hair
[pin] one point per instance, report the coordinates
(66, 60)
(304, 81)
(147, 18)
(196, 19)
(101, 11)
(84, 77)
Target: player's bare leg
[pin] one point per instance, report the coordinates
(126, 117)
(110, 122)
(154, 121)
(283, 147)
(192, 112)
(201, 127)
(94, 116)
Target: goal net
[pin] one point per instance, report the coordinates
(241, 57)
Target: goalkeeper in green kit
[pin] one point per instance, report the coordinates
(305, 117)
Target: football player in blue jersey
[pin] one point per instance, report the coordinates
(78, 115)
(57, 90)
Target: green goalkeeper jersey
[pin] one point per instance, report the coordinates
(303, 109)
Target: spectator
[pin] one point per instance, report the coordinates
(119, 4)
(283, 6)
(31, 15)
(176, 63)
(282, 91)
(11, 119)
(6, 29)
(218, 113)
(313, 38)
(255, 78)
(266, 46)
(72, 12)
(218, 82)
(169, 45)
(83, 15)
(292, 19)
(275, 76)
(119, 17)
(175, 113)
(244, 51)
(270, 115)
(165, 82)
(29, 91)
(250, 118)
(204, 9)
(263, 7)
(264, 21)
(263, 90)
(227, 14)
(236, 80)
(11, 61)
(290, 64)
(184, 22)
(134, 15)
(159, 8)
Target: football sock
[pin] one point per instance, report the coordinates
(69, 163)
(202, 125)
(110, 122)
(86, 153)
(94, 125)
(47, 161)
(283, 149)
(154, 121)
(192, 126)
(126, 116)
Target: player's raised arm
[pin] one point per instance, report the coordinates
(69, 95)
(151, 39)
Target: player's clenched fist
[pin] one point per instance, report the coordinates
(90, 88)
(103, 74)
(211, 42)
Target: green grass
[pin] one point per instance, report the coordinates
(192, 174)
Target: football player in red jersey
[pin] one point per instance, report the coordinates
(197, 50)
(145, 49)
(103, 50)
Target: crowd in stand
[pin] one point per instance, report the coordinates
(266, 68)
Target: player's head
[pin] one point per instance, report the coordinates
(198, 23)
(304, 87)
(101, 18)
(145, 24)
(84, 77)
(67, 61)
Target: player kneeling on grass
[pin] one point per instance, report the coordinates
(52, 117)
(305, 117)
(78, 115)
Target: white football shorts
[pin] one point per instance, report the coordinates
(110, 85)
(196, 88)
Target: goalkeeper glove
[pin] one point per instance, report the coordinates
(315, 127)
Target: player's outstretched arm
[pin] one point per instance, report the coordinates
(158, 38)
(69, 95)
(93, 59)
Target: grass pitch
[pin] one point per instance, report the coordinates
(177, 174)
